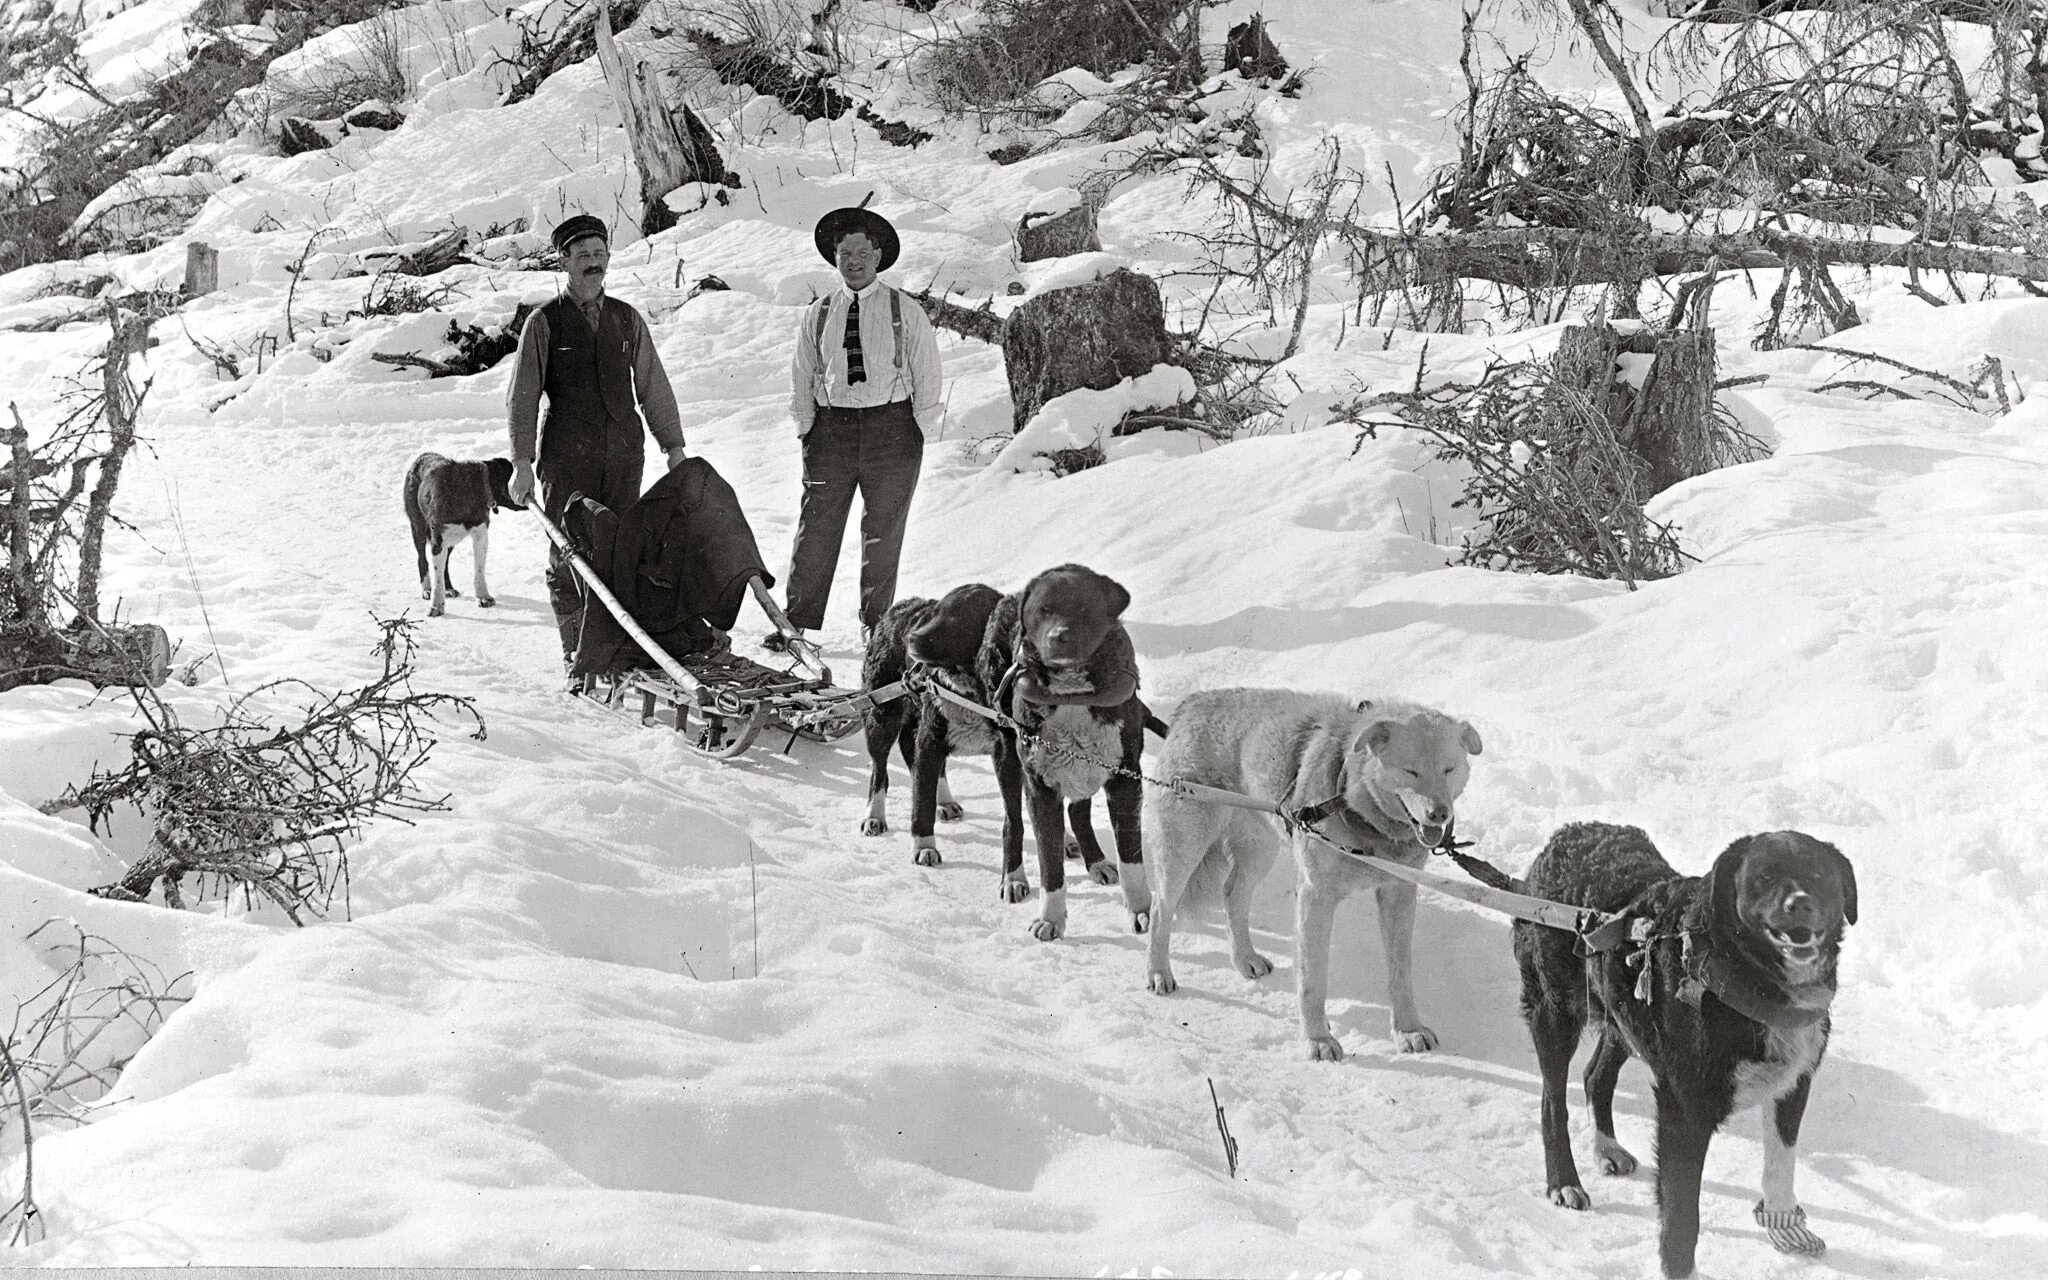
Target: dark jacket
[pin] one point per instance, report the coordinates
(678, 560)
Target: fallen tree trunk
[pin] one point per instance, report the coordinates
(1548, 257)
(979, 323)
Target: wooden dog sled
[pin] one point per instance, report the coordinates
(720, 703)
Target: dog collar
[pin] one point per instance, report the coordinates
(1742, 992)
(1313, 815)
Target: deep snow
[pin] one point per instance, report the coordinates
(624, 1007)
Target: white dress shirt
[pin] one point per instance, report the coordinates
(814, 382)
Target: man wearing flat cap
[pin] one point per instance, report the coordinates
(594, 359)
(865, 396)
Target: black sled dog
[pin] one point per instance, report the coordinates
(1059, 663)
(942, 638)
(1721, 984)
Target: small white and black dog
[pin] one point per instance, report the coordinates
(445, 502)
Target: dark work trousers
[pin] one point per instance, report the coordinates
(877, 452)
(600, 460)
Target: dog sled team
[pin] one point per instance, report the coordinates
(1720, 983)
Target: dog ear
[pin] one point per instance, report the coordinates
(1024, 597)
(1113, 591)
(1721, 886)
(1375, 735)
(1848, 874)
(1468, 737)
(499, 473)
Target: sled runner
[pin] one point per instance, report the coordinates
(667, 577)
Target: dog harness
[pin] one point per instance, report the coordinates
(1701, 972)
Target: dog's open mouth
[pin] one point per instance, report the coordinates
(1430, 833)
(1797, 943)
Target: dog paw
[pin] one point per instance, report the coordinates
(950, 811)
(1141, 921)
(1048, 930)
(1615, 1159)
(1073, 849)
(1788, 1230)
(1255, 966)
(1160, 982)
(452, 593)
(485, 602)
(1418, 1040)
(1573, 1197)
(1103, 872)
(1324, 1048)
(874, 826)
(926, 856)
(436, 611)
(1014, 889)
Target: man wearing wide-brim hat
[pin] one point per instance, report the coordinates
(594, 359)
(865, 398)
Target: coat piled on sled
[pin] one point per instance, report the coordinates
(679, 559)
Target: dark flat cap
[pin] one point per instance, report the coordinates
(570, 230)
(841, 222)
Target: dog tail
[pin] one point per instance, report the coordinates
(414, 515)
(1159, 727)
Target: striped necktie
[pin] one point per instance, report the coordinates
(856, 367)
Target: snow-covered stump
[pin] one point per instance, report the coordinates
(297, 135)
(1042, 235)
(1092, 335)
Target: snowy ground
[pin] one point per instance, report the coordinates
(624, 1007)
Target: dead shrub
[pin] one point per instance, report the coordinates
(1553, 487)
(375, 67)
(395, 293)
(1066, 462)
(69, 1042)
(269, 809)
(1021, 42)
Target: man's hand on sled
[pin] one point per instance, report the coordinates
(522, 481)
(676, 457)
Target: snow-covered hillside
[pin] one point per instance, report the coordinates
(621, 1006)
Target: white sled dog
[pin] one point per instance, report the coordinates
(1398, 769)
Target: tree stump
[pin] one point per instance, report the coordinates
(137, 655)
(1250, 52)
(1671, 423)
(202, 269)
(1667, 423)
(296, 135)
(375, 114)
(1093, 335)
(1582, 371)
(1058, 235)
(671, 146)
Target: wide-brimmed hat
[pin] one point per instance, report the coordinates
(570, 230)
(840, 222)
